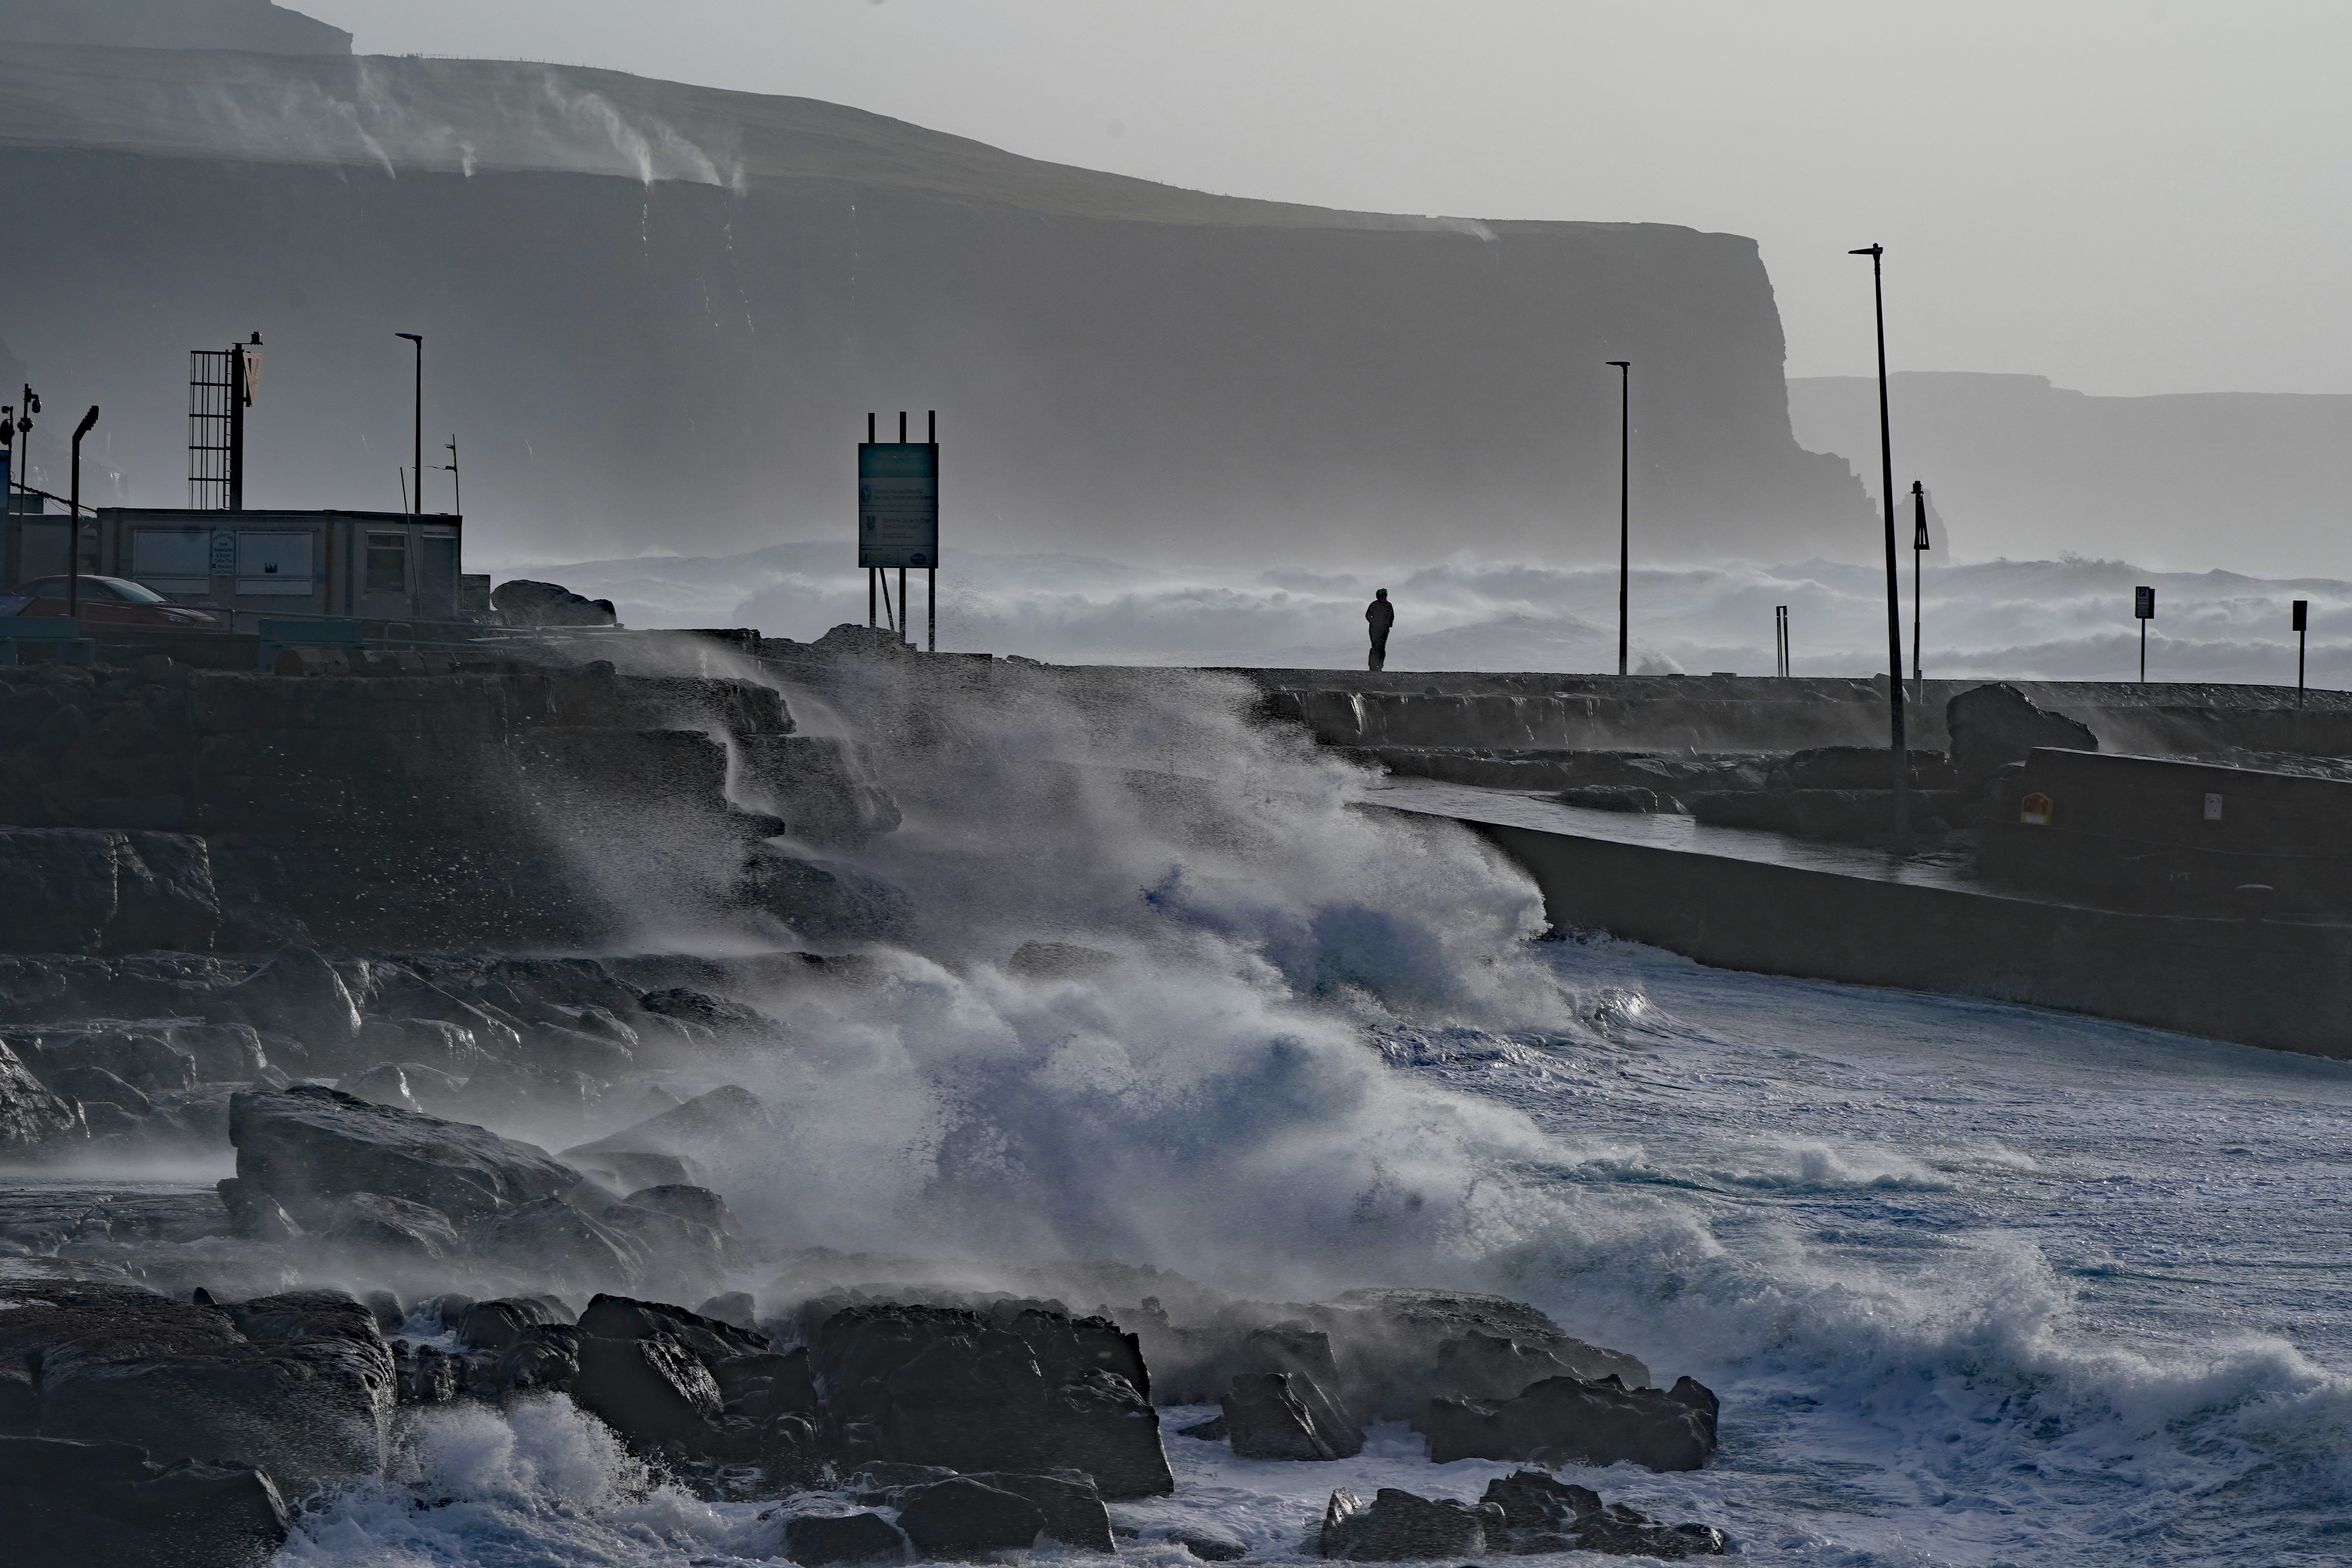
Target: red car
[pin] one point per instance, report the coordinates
(108, 601)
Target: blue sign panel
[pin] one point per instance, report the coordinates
(897, 503)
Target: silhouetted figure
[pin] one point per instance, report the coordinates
(1379, 614)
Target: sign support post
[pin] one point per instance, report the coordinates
(2302, 644)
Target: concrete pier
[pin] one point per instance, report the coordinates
(1742, 899)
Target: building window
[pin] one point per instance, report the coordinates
(387, 563)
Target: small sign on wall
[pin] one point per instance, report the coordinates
(2213, 808)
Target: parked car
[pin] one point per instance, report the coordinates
(108, 601)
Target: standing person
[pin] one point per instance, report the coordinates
(1381, 616)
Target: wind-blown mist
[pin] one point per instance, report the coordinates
(2068, 619)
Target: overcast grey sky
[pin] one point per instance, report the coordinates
(2127, 197)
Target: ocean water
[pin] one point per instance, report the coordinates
(2063, 620)
(1976, 1284)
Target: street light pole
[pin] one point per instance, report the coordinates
(1624, 498)
(416, 497)
(73, 519)
(1894, 583)
(1919, 547)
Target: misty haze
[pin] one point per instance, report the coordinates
(944, 781)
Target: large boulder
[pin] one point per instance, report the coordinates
(710, 1341)
(372, 1225)
(303, 1390)
(963, 1516)
(1072, 1508)
(1565, 1420)
(651, 1391)
(1992, 726)
(1284, 1415)
(936, 1386)
(309, 1146)
(70, 1503)
(1546, 1515)
(1397, 1526)
(520, 602)
(495, 1324)
(814, 1540)
(32, 1118)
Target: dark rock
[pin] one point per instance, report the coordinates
(1212, 1430)
(389, 1313)
(255, 1214)
(302, 1391)
(297, 993)
(513, 1088)
(1209, 1543)
(818, 785)
(494, 1325)
(1072, 1508)
(104, 1505)
(372, 1223)
(734, 1308)
(1396, 1526)
(1531, 1498)
(428, 1375)
(383, 1084)
(308, 1146)
(558, 1243)
(814, 1539)
(710, 1341)
(963, 1518)
(691, 1257)
(821, 897)
(1484, 1366)
(95, 1087)
(31, 1116)
(883, 1479)
(1622, 1532)
(543, 1356)
(223, 1053)
(1570, 1420)
(90, 891)
(140, 1055)
(1994, 725)
(945, 1386)
(431, 1042)
(685, 1004)
(651, 1391)
(1283, 1415)
(520, 602)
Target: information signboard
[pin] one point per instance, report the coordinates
(897, 503)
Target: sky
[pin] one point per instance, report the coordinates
(2130, 198)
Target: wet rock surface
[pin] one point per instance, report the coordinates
(1571, 1420)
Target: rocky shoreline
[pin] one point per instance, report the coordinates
(493, 1173)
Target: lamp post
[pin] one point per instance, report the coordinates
(1625, 497)
(25, 409)
(416, 500)
(73, 519)
(1919, 547)
(2302, 644)
(1894, 587)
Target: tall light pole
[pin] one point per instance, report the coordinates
(1893, 583)
(1625, 497)
(1919, 547)
(416, 500)
(73, 519)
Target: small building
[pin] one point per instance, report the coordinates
(377, 566)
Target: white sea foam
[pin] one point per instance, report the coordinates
(1975, 1283)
